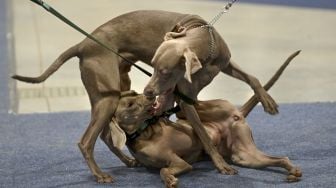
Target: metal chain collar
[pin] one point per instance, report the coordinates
(209, 26)
(211, 42)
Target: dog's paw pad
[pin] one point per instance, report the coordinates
(105, 178)
(133, 163)
(292, 178)
(228, 171)
(295, 175)
(171, 181)
(296, 171)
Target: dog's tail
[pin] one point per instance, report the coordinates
(253, 101)
(71, 52)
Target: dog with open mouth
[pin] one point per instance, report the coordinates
(105, 75)
(163, 102)
(189, 59)
(172, 147)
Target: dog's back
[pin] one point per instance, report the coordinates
(137, 33)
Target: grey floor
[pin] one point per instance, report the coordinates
(260, 37)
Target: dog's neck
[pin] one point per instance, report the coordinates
(190, 21)
(148, 133)
(152, 131)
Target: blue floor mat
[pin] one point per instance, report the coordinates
(41, 151)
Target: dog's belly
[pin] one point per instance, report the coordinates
(150, 158)
(221, 136)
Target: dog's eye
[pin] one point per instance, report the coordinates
(130, 104)
(164, 72)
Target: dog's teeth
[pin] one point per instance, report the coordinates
(156, 105)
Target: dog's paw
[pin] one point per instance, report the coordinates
(292, 178)
(104, 178)
(223, 167)
(170, 181)
(132, 163)
(270, 106)
(295, 175)
(227, 170)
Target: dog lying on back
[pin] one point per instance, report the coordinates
(172, 147)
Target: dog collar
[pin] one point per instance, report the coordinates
(151, 121)
(184, 97)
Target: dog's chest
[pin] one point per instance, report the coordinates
(146, 149)
(148, 153)
(154, 151)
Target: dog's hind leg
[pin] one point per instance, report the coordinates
(100, 117)
(125, 85)
(245, 153)
(107, 139)
(100, 76)
(257, 159)
(176, 167)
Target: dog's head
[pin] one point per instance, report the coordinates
(173, 60)
(133, 109)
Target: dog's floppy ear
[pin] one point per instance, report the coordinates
(192, 64)
(118, 135)
(177, 32)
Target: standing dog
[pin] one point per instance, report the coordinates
(172, 147)
(189, 59)
(105, 74)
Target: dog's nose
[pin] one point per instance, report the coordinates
(149, 92)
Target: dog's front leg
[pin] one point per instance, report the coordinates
(208, 145)
(232, 69)
(128, 161)
(176, 167)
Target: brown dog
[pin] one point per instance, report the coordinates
(172, 147)
(189, 59)
(161, 143)
(104, 74)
